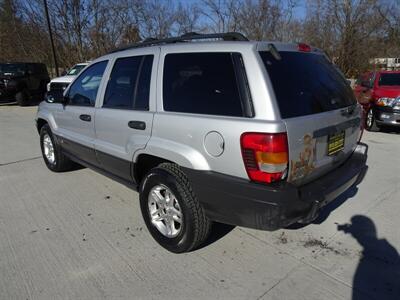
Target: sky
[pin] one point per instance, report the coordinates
(300, 10)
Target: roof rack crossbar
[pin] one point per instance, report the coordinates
(228, 36)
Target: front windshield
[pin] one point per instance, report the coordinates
(13, 69)
(389, 79)
(75, 70)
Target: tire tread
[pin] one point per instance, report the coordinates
(202, 223)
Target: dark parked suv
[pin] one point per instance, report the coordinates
(21, 81)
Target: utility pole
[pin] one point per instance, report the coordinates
(51, 36)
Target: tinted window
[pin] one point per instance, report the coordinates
(13, 69)
(306, 84)
(121, 85)
(203, 83)
(84, 90)
(143, 87)
(42, 69)
(389, 79)
(129, 83)
(33, 69)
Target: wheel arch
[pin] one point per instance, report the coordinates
(160, 151)
(40, 123)
(144, 163)
(45, 117)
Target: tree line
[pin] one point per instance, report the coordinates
(349, 31)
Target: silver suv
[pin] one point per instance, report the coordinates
(211, 128)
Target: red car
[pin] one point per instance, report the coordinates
(379, 94)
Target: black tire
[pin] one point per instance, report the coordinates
(195, 226)
(22, 98)
(61, 162)
(370, 122)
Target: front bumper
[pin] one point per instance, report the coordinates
(237, 201)
(7, 93)
(387, 116)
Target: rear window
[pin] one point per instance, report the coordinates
(389, 79)
(306, 84)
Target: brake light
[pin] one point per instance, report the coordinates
(303, 47)
(265, 156)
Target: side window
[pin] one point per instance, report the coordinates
(129, 83)
(42, 69)
(31, 69)
(202, 83)
(83, 91)
(143, 86)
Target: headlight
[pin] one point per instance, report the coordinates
(386, 101)
(396, 104)
(48, 87)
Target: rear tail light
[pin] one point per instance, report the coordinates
(265, 156)
(303, 47)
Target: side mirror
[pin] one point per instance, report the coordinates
(63, 73)
(50, 99)
(54, 98)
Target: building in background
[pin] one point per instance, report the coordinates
(387, 63)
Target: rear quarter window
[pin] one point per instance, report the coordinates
(201, 83)
(306, 84)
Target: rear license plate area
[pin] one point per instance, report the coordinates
(336, 142)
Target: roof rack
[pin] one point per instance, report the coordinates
(228, 36)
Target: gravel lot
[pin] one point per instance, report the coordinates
(79, 235)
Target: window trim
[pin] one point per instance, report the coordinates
(140, 74)
(79, 76)
(241, 79)
(243, 85)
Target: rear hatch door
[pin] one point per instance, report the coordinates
(319, 109)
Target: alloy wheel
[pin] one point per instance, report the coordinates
(48, 149)
(165, 211)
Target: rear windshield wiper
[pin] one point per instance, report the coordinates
(275, 53)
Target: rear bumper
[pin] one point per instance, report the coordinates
(236, 201)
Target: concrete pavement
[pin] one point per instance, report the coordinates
(79, 235)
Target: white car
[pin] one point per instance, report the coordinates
(59, 84)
